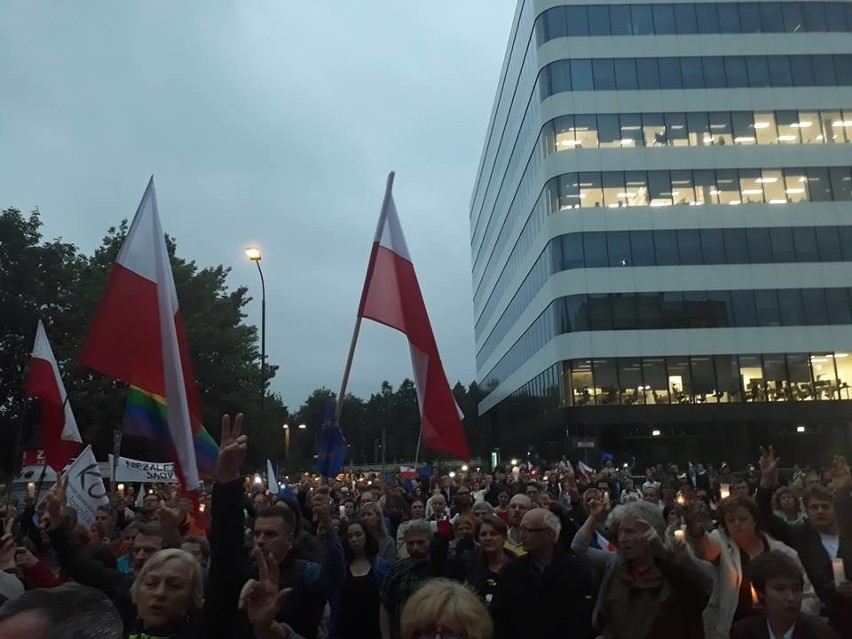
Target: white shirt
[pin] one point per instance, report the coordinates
(786, 635)
(831, 543)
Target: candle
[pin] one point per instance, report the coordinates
(754, 598)
(681, 499)
(839, 571)
(679, 535)
(724, 491)
(121, 488)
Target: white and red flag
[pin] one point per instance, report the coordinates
(138, 337)
(392, 296)
(60, 436)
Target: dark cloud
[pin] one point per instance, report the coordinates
(269, 122)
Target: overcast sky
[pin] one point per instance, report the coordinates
(267, 122)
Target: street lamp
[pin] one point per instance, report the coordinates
(253, 254)
(287, 446)
(302, 427)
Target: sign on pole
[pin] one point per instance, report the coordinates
(130, 470)
(86, 489)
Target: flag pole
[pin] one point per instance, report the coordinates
(419, 440)
(357, 330)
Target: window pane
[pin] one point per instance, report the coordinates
(619, 17)
(586, 130)
(630, 380)
(736, 246)
(759, 248)
(581, 75)
(631, 130)
(815, 17)
(788, 127)
(767, 308)
(773, 185)
(613, 188)
(676, 133)
(572, 251)
(577, 313)
(835, 17)
(845, 234)
(837, 300)
(642, 248)
(790, 305)
(802, 70)
(693, 74)
(751, 378)
(751, 186)
(824, 75)
(664, 19)
(654, 129)
(783, 249)
(743, 126)
(758, 71)
(636, 191)
(591, 191)
(765, 128)
(809, 127)
(796, 183)
(727, 378)
(656, 381)
(728, 184)
(729, 18)
(699, 129)
(670, 73)
(819, 185)
(609, 131)
(706, 191)
(558, 78)
(623, 311)
(750, 17)
(648, 310)
(771, 17)
(720, 127)
(794, 19)
(569, 192)
(843, 69)
(680, 379)
(714, 73)
(745, 313)
(841, 183)
(563, 133)
(799, 371)
(649, 76)
(577, 21)
(581, 383)
(689, 246)
(665, 245)
(804, 239)
(719, 311)
(683, 190)
(660, 188)
(712, 246)
(554, 23)
(600, 312)
(775, 372)
(643, 22)
(604, 74)
(816, 312)
(606, 381)
(687, 23)
(703, 379)
(708, 18)
(625, 74)
(779, 71)
(828, 244)
(736, 71)
(598, 20)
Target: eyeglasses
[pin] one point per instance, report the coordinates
(524, 529)
(438, 633)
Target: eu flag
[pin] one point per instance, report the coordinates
(332, 448)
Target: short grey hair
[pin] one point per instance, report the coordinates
(419, 527)
(94, 616)
(638, 510)
(550, 520)
(483, 505)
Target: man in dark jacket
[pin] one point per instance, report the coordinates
(825, 535)
(546, 593)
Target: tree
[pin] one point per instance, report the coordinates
(55, 282)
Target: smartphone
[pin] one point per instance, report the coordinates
(342, 511)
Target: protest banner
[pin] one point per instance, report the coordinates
(130, 470)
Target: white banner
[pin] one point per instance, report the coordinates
(127, 469)
(86, 489)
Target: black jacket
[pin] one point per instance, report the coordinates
(806, 628)
(218, 617)
(529, 604)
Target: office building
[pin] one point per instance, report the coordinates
(662, 230)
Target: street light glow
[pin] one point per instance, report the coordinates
(286, 426)
(253, 253)
(302, 427)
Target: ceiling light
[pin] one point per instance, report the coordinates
(787, 138)
(743, 139)
(753, 192)
(800, 429)
(769, 180)
(761, 125)
(655, 433)
(778, 201)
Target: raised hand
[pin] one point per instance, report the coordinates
(7, 551)
(841, 480)
(597, 508)
(56, 499)
(768, 463)
(24, 559)
(321, 507)
(232, 450)
(649, 536)
(261, 598)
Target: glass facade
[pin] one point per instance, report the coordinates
(706, 379)
(696, 72)
(653, 130)
(672, 310)
(690, 18)
(669, 247)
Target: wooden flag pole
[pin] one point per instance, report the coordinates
(355, 333)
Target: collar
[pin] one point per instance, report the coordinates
(786, 635)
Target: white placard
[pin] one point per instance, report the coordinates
(134, 470)
(86, 489)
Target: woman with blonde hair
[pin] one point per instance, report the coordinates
(441, 607)
(786, 505)
(374, 520)
(168, 594)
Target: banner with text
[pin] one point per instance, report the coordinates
(127, 469)
(86, 489)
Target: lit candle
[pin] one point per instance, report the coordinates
(121, 488)
(754, 598)
(839, 571)
(724, 491)
(31, 489)
(681, 499)
(679, 535)
(201, 507)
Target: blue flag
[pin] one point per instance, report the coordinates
(332, 447)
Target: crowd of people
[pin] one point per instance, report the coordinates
(524, 551)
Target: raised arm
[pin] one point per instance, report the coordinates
(772, 524)
(580, 545)
(706, 547)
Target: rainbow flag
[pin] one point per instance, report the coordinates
(145, 416)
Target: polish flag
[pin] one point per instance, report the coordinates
(138, 337)
(392, 296)
(60, 437)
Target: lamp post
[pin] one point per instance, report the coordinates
(253, 254)
(287, 446)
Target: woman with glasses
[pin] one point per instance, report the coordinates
(444, 609)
